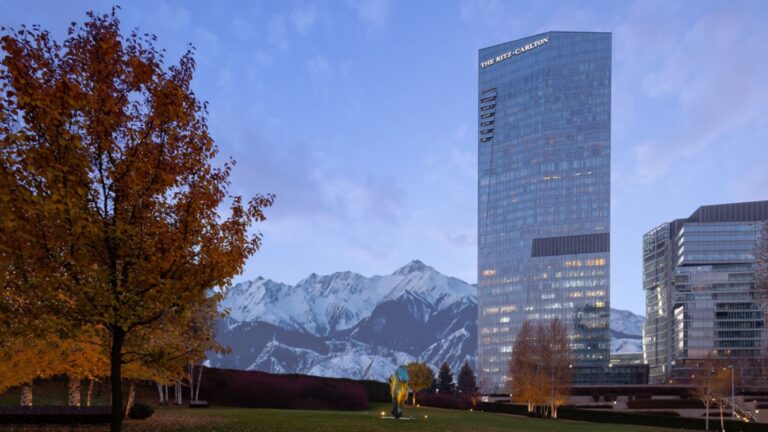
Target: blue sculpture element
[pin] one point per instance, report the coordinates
(398, 388)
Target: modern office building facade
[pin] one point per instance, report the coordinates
(699, 277)
(544, 145)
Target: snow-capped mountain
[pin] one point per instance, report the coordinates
(626, 331)
(349, 325)
(352, 326)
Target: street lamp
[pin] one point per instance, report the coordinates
(733, 394)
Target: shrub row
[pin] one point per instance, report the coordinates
(377, 391)
(663, 413)
(253, 389)
(619, 417)
(54, 415)
(442, 400)
(665, 404)
(601, 406)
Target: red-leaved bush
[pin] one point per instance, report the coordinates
(438, 400)
(263, 390)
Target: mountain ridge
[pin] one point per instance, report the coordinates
(349, 325)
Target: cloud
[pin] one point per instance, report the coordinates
(651, 162)
(359, 198)
(174, 16)
(277, 32)
(320, 74)
(311, 185)
(371, 12)
(261, 58)
(704, 85)
(304, 18)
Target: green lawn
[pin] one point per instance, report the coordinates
(426, 419)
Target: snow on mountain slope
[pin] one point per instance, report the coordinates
(349, 325)
(623, 345)
(626, 331)
(321, 305)
(626, 322)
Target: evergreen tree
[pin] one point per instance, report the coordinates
(445, 379)
(466, 380)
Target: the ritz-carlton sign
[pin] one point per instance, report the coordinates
(518, 51)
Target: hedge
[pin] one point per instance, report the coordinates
(620, 417)
(250, 389)
(442, 400)
(55, 415)
(665, 404)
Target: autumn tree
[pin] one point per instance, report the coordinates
(558, 365)
(523, 366)
(110, 201)
(540, 367)
(466, 381)
(420, 377)
(445, 382)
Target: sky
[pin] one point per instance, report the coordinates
(360, 116)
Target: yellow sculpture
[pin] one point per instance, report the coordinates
(398, 389)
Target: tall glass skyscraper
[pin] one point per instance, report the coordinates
(544, 173)
(699, 277)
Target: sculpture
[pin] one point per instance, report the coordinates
(398, 388)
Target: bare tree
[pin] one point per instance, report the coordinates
(711, 382)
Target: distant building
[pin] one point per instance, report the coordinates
(544, 169)
(630, 358)
(698, 277)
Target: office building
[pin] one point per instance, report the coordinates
(544, 152)
(699, 277)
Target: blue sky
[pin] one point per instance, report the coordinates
(360, 116)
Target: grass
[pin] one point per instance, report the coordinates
(177, 419)
(426, 419)
(272, 420)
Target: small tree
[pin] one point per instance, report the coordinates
(445, 382)
(711, 382)
(558, 364)
(522, 366)
(540, 366)
(466, 381)
(420, 377)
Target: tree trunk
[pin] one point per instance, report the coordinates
(116, 379)
(131, 397)
(165, 394)
(89, 398)
(722, 423)
(160, 391)
(177, 393)
(191, 381)
(199, 380)
(706, 414)
(73, 385)
(26, 395)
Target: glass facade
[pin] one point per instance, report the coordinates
(699, 276)
(544, 147)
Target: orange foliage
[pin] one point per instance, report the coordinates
(110, 203)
